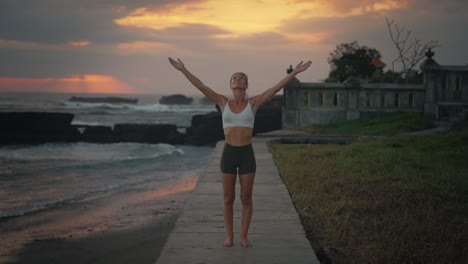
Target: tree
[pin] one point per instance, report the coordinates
(409, 53)
(351, 59)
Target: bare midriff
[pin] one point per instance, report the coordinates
(238, 136)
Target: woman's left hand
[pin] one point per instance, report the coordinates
(179, 65)
(302, 66)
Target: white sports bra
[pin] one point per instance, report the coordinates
(245, 118)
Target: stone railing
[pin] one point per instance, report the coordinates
(322, 103)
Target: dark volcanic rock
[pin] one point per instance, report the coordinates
(206, 129)
(267, 118)
(149, 133)
(176, 99)
(99, 134)
(37, 127)
(41, 127)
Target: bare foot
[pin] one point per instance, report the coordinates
(228, 242)
(245, 243)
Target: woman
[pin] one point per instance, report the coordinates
(238, 156)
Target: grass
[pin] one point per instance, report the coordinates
(388, 124)
(397, 200)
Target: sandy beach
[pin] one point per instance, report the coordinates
(126, 227)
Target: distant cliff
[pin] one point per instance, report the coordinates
(176, 99)
(110, 100)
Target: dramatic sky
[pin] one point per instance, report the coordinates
(122, 46)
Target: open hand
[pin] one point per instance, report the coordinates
(302, 66)
(179, 65)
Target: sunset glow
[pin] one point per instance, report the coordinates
(81, 43)
(246, 17)
(41, 46)
(309, 38)
(73, 84)
(127, 43)
(142, 46)
(239, 17)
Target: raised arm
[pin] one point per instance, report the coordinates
(262, 98)
(208, 92)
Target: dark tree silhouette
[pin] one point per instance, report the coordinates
(351, 59)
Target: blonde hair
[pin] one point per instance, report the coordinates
(243, 74)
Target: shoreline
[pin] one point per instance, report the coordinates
(132, 225)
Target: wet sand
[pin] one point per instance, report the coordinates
(127, 227)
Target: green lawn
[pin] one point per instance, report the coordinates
(396, 200)
(389, 124)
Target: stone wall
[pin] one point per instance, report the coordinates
(446, 93)
(442, 97)
(323, 103)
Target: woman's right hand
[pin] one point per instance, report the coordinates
(179, 65)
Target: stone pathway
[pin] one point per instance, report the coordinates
(275, 232)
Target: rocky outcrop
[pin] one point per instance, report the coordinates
(139, 133)
(99, 134)
(41, 127)
(37, 127)
(149, 133)
(205, 129)
(109, 100)
(176, 99)
(268, 118)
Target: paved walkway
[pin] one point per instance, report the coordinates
(275, 232)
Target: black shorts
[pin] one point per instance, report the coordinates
(242, 158)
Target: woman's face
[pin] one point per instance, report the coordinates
(239, 81)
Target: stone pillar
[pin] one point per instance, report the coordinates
(352, 107)
(431, 80)
(430, 102)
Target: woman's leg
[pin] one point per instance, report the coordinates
(229, 192)
(246, 182)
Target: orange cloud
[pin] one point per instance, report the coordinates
(80, 43)
(143, 46)
(74, 84)
(357, 7)
(36, 45)
(239, 17)
(247, 17)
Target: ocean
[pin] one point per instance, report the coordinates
(45, 176)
